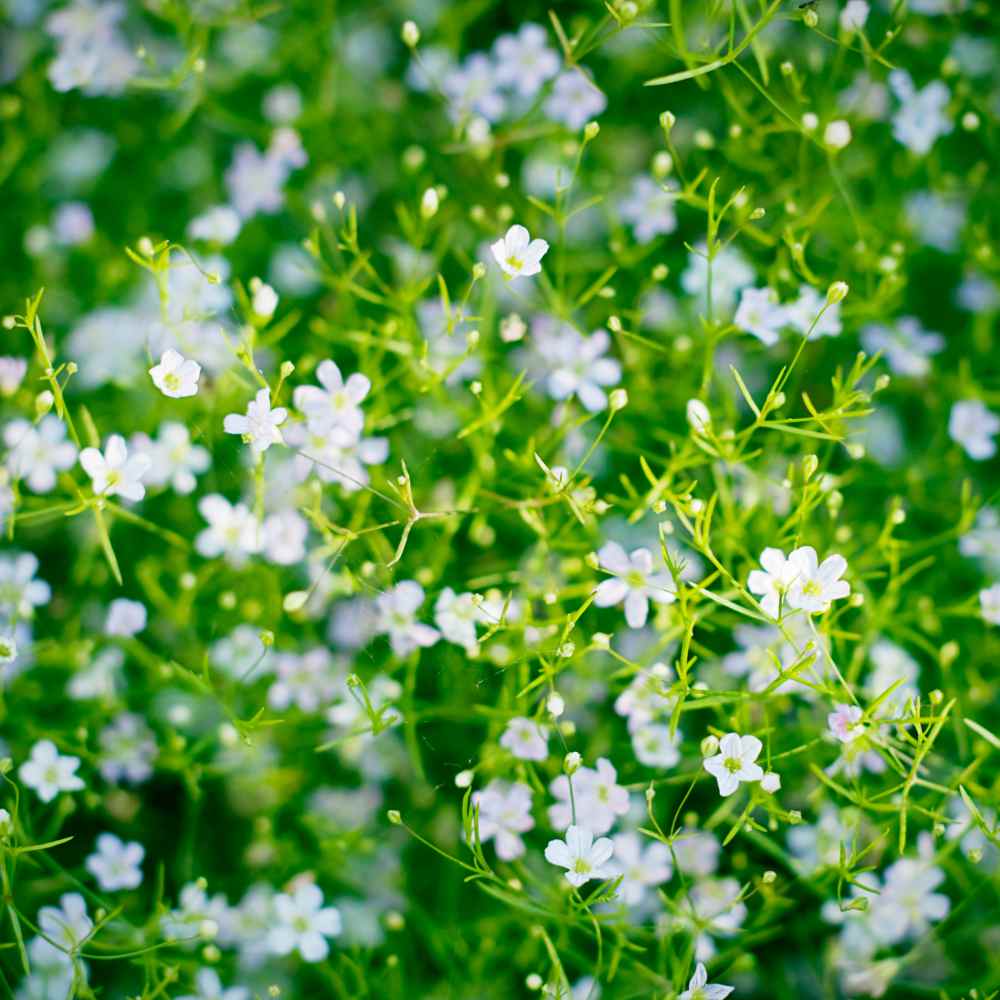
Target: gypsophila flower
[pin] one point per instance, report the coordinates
(128, 749)
(649, 209)
(813, 584)
(67, 926)
(582, 857)
(655, 746)
(771, 583)
(115, 864)
(259, 426)
(634, 583)
(735, 762)
(974, 427)
(176, 376)
(397, 610)
(699, 988)
(218, 224)
(524, 61)
(125, 618)
(518, 254)
(198, 916)
(209, 987)
(48, 773)
(114, 472)
(596, 795)
(37, 453)
(526, 739)
(761, 314)
(337, 403)
(575, 99)
(174, 459)
(12, 372)
(989, 604)
(232, 530)
(845, 723)
(922, 117)
(456, 615)
(504, 814)
(641, 865)
(906, 345)
(303, 923)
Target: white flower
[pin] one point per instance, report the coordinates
(771, 782)
(699, 988)
(73, 223)
(655, 747)
(303, 924)
(649, 209)
(973, 426)
(814, 585)
(633, 583)
(176, 376)
(125, 617)
(337, 404)
(772, 583)
(906, 346)
(596, 794)
(526, 739)
(128, 749)
(209, 987)
(735, 762)
(198, 916)
(397, 611)
(114, 473)
(335, 456)
(48, 773)
(265, 300)
(647, 697)
(115, 864)
(518, 254)
(67, 926)
(854, 15)
(8, 648)
(20, 592)
(845, 722)
(989, 603)
(837, 135)
(922, 116)
(12, 372)
(259, 427)
(761, 314)
(307, 681)
(175, 459)
(730, 272)
(504, 814)
(575, 99)
(472, 89)
(283, 537)
(580, 369)
(524, 61)
(219, 224)
(232, 530)
(581, 856)
(456, 615)
(38, 452)
(698, 415)
(803, 312)
(639, 868)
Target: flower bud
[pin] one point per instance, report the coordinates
(591, 131)
(572, 762)
(771, 782)
(837, 292)
(618, 400)
(429, 203)
(709, 746)
(410, 34)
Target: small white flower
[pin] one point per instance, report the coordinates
(504, 814)
(526, 739)
(598, 798)
(771, 782)
(699, 988)
(698, 415)
(761, 314)
(38, 452)
(115, 864)
(336, 404)
(265, 300)
(232, 530)
(989, 603)
(259, 427)
(575, 99)
(209, 987)
(114, 473)
(844, 722)
(524, 61)
(303, 924)
(125, 617)
(456, 615)
(633, 583)
(175, 375)
(12, 372)
(973, 426)
(854, 15)
(518, 254)
(772, 582)
(219, 224)
(837, 135)
(640, 866)
(67, 926)
(922, 116)
(907, 346)
(48, 773)
(655, 747)
(735, 762)
(582, 857)
(397, 612)
(814, 585)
